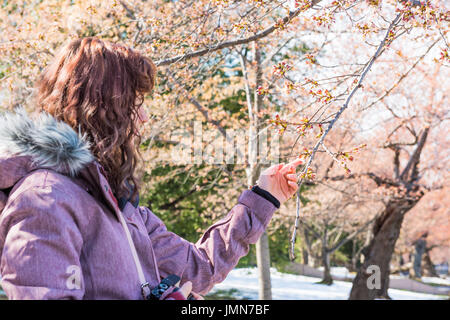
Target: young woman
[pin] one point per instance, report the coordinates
(70, 223)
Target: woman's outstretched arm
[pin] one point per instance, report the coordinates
(217, 252)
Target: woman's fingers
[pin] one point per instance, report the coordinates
(290, 167)
(282, 168)
(273, 169)
(197, 296)
(186, 288)
(287, 169)
(296, 162)
(293, 185)
(291, 176)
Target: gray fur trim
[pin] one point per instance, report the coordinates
(49, 142)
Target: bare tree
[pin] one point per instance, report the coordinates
(387, 226)
(332, 219)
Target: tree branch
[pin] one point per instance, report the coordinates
(351, 236)
(415, 157)
(403, 76)
(338, 114)
(232, 43)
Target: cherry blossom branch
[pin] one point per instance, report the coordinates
(236, 42)
(330, 126)
(334, 156)
(402, 77)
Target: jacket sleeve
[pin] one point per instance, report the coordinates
(217, 252)
(41, 246)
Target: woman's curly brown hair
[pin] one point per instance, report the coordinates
(98, 87)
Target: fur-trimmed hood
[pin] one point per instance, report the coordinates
(29, 143)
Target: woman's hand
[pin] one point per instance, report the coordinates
(280, 180)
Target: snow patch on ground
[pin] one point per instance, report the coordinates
(296, 287)
(340, 272)
(435, 280)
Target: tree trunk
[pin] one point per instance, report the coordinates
(379, 253)
(263, 261)
(327, 279)
(420, 250)
(262, 252)
(325, 256)
(357, 253)
(262, 246)
(305, 256)
(428, 265)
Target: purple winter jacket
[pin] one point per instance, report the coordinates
(60, 237)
